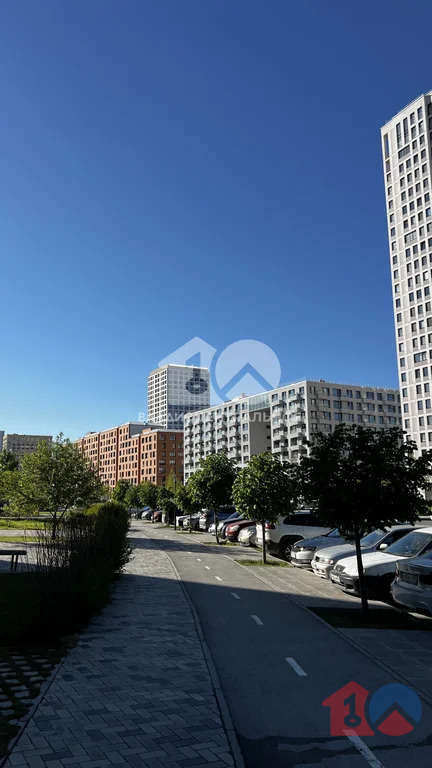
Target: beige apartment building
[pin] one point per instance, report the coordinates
(135, 452)
(283, 420)
(20, 445)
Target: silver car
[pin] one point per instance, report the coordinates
(303, 551)
(412, 586)
(248, 536)
(324, 560)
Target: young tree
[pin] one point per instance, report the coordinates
(359, 479)
(120, 491)
(264, 490)
(166, 502)
(172, 482)
(55, 478)
(132, 496)
(184, 501)
(148, 494)
(211, 485)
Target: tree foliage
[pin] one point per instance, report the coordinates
(55, 478)
(211, 485)
(120, 491)
(8, 461)
(132, 497)
(264, 490)
(359, 479)
(148, 494)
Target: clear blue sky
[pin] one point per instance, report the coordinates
(193, 167)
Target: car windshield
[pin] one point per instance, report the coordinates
(334, 534)
(411, 544)
(371, 538)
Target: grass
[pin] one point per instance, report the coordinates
(269, 563)
(376, 618)
(17, 539)
(222, 543)
(21, 524)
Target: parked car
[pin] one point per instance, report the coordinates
(412, 585)
(303, 551)
(281, 536)
(183, 521)
(379, 567)
(207, 517)
(223, 525)
(157, 516)
(147, 515)
(325, 561)
(232, 530)
(247, 536)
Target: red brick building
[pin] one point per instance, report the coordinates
(135, 452)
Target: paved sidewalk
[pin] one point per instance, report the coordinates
(136, 690)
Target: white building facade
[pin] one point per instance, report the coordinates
(284, 419)
(406, 147)
(174, 390)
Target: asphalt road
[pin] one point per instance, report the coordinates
(277, 663)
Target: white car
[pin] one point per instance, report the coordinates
(280, 537)
(303, 551)
(379, 567)
(324, 561)
(412, 586)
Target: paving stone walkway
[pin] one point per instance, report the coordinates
(136, 690)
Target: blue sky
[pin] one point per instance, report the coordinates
(197, 168)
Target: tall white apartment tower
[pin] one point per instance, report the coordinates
(406, 147)
(174, 390)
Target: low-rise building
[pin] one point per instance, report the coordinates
(284, 419)
(20, 445)
(135, 452)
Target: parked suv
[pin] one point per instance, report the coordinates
(281, 536)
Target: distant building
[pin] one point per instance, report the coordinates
(135, 452)
(20, 445)
(1, 439)
(174, 390)
(284, 420)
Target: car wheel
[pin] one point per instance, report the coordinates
(285, 548)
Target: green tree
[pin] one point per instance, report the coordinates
(55, 478)
(211, 485)
(166, 502)
(359, 479)
(184, 501)
(264, 490)
(8, 461)
(172, 482)
(132, 496)
(120, 491)
(148, 493)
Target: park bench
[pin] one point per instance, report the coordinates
(14, 553)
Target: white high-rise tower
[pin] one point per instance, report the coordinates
(174, 390)
(406, 146)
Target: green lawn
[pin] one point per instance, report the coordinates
(17, 539)
(21, 524)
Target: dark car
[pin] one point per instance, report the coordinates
(157, 516)
(223, 524)
(234, 528)
(207, 517)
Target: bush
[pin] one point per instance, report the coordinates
(71, 576)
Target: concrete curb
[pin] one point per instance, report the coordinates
(357, 646)
(220, 698)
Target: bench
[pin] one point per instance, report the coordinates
(14, 553)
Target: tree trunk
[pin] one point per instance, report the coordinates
(264, 553)
(54, 527)
(216, 528)
(362, 585)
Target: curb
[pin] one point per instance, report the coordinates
(356, 645)
(220, 698)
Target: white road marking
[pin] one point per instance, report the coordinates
(296, 667)
(364, 750)
(234, 594)
(199, 559)
(218, 578)
(207, 566)
(256, 619)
